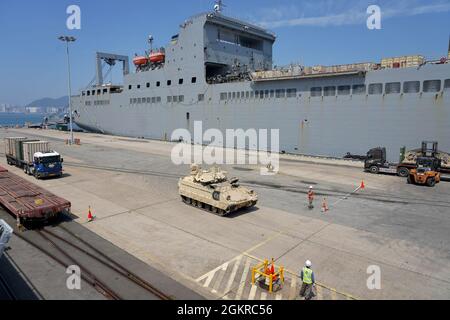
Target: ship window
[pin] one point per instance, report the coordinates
(88, 93)
(447, 84)
(153, 99)
(229, 95)
(201, 97)
(169, 82)
(250, 43)
(105, 90)
(158, 99)
(180, 81)
(238, 95)
(359, 89)
(329, 91)
(149, 100)
(266, 93)
(188, 116)
(169, 99)
(158, 83)
(234, 95)
(411, 86)
(272, 93)
(83, 93)
(291, 93)
(280, 93)
(175, 98)
(130, 87)
(261, 94)
(432, 86)
(194, 80)
(392, 88)
(375, 88)
(138, 86)
(247, 95)
(148, 84)
(252, 94)
(343, 90)
(99, 91)
(223, 96)
(242, 95)
(93, 92)
(316, 92)
(180, 98)
(139, 100)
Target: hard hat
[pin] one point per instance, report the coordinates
(311, 187)
(308, 263)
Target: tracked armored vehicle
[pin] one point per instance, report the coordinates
(212, 191)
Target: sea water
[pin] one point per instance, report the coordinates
(13, 119)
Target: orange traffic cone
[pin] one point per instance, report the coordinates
(363, 186)
(90, 216)
(325, 206)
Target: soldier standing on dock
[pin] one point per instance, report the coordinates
(311, 198)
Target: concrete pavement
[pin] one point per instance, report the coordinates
(132, 187)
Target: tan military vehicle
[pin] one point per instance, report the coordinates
(211, 190)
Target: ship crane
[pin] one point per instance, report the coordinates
(110, 59)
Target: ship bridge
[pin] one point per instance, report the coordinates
(235, 46)
(209, 46)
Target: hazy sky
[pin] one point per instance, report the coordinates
(33, 65)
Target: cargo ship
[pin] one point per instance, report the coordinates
(219, 70)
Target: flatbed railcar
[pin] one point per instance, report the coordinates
(27, 201)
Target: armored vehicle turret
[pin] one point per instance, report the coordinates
(211, 190)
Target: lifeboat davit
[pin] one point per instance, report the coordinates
(139, 61)
(156, 57)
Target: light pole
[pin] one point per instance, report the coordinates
(68, 39)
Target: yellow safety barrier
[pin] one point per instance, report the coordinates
(262, 269)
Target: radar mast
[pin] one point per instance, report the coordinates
(218, 7)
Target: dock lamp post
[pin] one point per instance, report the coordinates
(67, 40)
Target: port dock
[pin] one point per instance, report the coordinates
(131, 186)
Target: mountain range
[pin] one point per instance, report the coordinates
(50, 103)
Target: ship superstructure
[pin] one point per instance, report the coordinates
(219, 70)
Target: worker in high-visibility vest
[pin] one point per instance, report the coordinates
(311, 195)
(307, 276)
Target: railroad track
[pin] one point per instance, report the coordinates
(109, 262)
(124, 170)
(93, 264)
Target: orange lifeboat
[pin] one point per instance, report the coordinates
(157, 57)
(139, 61)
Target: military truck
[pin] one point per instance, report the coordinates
(376, 162)
(212, 191)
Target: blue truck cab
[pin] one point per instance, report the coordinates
(48, 164)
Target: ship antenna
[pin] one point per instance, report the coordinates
(448, 53)
(218, 7)
(150, 41)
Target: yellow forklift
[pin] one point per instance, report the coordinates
(427, 171)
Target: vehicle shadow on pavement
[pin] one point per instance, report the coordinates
(242, 212)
